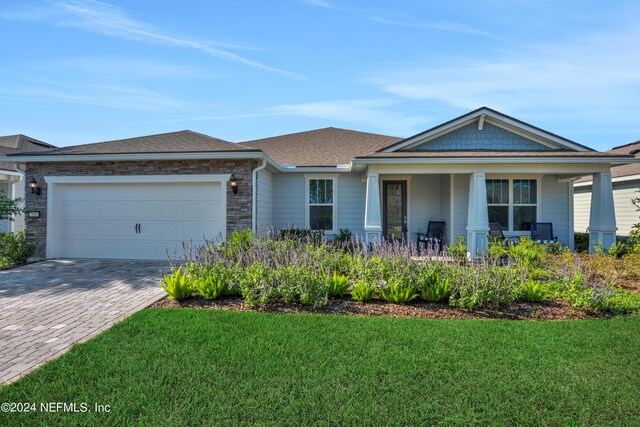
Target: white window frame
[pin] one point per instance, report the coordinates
(511, 178)
(307, 205)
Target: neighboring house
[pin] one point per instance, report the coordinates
(142, 197)
(12, 181)
(626, 186)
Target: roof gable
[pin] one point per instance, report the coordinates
(512, 134)
(471, 138)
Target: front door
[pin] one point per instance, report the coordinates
(394, 202)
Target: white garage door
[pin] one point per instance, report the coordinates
(134, 220)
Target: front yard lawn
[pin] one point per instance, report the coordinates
(188, 366)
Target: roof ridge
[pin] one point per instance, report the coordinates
(625, 145)
(315, 130)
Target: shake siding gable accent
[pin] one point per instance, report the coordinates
(264, 203)
(555, 205)
(469, 138)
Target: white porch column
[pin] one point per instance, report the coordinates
(372, 215)
(478, 216)
(602, 218)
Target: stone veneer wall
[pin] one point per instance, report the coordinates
(238, 205)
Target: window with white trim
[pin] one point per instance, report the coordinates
(321, 204)
(513, 203)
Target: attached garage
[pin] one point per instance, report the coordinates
(139, 198)
(133, 217)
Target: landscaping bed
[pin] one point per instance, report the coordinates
(298, 273)
(556, 309)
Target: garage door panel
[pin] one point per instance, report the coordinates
(99, 220)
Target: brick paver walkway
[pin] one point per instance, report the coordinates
(47, 307)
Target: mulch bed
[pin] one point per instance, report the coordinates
(556, 309)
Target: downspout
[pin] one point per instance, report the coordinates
(254, 195)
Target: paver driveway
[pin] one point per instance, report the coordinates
(47, 307)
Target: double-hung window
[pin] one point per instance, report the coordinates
(321, 204)
(513, 203)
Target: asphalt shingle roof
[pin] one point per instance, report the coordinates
(173, 142)
(624, 170)
(12, 144)
(321, 147)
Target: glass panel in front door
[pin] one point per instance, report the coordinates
(395, 210)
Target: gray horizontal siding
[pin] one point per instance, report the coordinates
(555, 206)
(581, 208)
(352, 193)
(264, 201)
(288, 200)
(626, 212)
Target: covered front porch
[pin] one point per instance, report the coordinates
(401, 200)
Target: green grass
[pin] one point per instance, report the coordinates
(179, 367)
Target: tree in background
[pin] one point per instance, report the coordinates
(9, 207)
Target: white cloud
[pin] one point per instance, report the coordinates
(124, 68)
(321, 3)
(448, 26)
(102, 95)
(113, 21)
(373, 113)
(597, 74)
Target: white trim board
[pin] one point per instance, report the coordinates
(115, 179)
(617, 179)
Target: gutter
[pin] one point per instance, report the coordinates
(491, 160)
(254, 195)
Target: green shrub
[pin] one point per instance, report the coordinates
(313, 287)
(581, 242)
(527, 255)
(338, 285)
(15, 249)
(579, 294)
(363, 291)
(434, 287)
(211, 285)
(623, 302)
(479, 285)
(177, 284)
(533, 291)
(343, 236)
(254, 283)
(399, 290)
(458, 251)
(496, 249)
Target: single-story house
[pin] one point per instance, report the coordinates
(138, 198)
(626, 186)
(12, 182)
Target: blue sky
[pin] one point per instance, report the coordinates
(77, 71)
